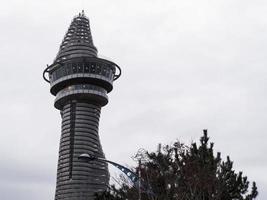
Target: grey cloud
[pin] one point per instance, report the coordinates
(187, 65)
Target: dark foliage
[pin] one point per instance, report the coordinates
(178, 172)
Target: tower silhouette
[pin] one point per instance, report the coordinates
(80, 81)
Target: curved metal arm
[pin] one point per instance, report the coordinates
(46, 71)
(116, 76)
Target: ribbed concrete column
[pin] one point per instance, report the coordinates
(77, 179)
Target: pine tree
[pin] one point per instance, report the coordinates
(179, 172)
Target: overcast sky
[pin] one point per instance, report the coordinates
(187, 65)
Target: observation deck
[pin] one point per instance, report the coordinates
(77, 72)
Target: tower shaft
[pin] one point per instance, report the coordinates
(77, 179)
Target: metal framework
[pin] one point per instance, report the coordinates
(129, 173)
(80, 81)
(136, 179)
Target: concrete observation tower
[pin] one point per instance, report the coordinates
(80, 81)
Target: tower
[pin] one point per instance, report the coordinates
(80, 80)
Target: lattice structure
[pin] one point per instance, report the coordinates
(80, 81)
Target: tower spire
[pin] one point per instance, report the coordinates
(78, 41)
